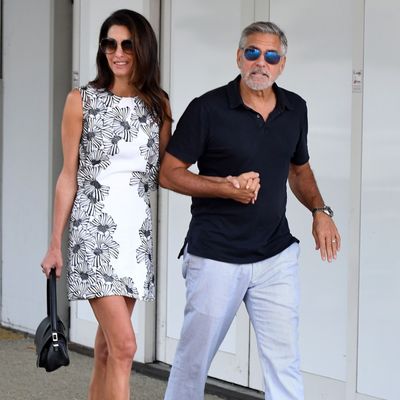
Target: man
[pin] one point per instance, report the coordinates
(248, 138)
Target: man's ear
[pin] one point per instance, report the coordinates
(238, 58)
(282, 66)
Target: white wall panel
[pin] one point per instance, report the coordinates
(319, 69)
(36, 79)
(26, 160)
(379, 317)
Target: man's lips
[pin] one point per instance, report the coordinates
(258, 72)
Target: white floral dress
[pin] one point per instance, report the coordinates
(110, 235)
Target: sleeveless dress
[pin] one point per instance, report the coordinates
(110, 231)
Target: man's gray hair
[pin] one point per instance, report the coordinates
(264, 27)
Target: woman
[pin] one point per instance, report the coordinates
(114, 130)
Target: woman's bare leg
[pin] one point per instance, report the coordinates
(115, 346)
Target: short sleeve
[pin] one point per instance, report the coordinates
(190, 137)
(301, 155)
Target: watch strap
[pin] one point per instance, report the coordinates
(325, 209)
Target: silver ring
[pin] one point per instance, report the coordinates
(333, 241)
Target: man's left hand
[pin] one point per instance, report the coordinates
(326, 235)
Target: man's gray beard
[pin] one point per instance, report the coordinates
(256, 86)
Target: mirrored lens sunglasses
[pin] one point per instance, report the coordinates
(270, 56)
(109, 46)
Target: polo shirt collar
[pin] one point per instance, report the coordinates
(235, 99)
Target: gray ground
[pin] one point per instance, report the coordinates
(21, 380)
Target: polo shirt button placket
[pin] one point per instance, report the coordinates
(261, 122)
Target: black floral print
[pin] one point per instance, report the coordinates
(121, 123)
(99, 160)
(103, 225)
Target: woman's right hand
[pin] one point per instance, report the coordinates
(52, 259)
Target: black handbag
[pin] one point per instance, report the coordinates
(50, 340)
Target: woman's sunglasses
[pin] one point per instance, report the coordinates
(270, 56)
(109, 46)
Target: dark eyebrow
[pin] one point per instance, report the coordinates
(262, 51)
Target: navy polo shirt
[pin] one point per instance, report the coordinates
(225, 137)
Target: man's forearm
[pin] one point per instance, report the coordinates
(304, 186)
(183, 181)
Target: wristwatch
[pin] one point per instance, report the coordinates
(325, 209)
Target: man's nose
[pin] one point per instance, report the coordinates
(261, 61)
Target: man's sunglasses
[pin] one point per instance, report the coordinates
(270, 56)
(109, 46)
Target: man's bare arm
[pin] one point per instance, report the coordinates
(174, 175)
(304, 186)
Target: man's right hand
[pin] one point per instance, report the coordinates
(247, 186)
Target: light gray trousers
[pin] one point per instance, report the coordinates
(214, 292)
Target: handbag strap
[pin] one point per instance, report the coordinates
(52, 305)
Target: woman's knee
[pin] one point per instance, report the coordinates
(124, 348)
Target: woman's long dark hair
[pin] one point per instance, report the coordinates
(146, 75)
